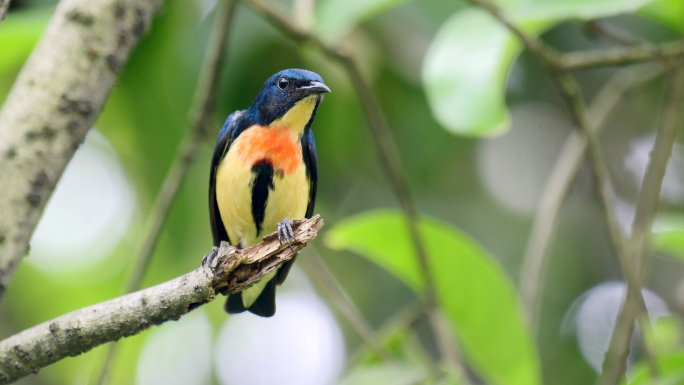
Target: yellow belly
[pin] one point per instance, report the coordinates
(288, 199)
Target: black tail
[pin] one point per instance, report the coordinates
(284, 270)
(264, 305)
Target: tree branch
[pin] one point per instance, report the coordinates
(621, 55)
(649, 195)
(55, 100)
(571, 93)
(401, 323)
(600, 29)
(562, 177)
(81, 330)
(344, 304)
(616, 358)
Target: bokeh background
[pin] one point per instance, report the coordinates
(486, 185)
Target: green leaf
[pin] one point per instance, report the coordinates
(465, 68)
(464, 73)
(386, 374)
(475, 293)
(670, 371)
(665, 335)
(481, 301)
(668, 235)
(666, 12)
(372, 235)
(336, 18)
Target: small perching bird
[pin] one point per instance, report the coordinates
(263, 174)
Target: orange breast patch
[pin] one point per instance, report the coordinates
(275, 144)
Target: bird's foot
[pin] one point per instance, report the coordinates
(208, 258)
(285, 231)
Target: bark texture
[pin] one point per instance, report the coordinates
(56, 98)
(81, 330)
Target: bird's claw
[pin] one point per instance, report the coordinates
(285, 231)
(208, 258)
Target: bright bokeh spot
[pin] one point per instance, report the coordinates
(88, 213)
(177, 353)
(595, 313)
(301, 344)
(516, 166)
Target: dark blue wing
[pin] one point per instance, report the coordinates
(311, 162)
(235, 124)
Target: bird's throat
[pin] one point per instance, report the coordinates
(280, 142)
(297, 117)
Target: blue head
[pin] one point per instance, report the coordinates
(282, 90)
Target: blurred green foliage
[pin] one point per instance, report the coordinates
(669, 367)
(474, 292)
(469, 99)
(438, 68)
(669, 235)
(385, 374)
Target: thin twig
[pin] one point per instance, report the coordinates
(201, 114)
(446, 343)
(549, 58)
(4, 6)
(390, 158)
(570, 91)
(536, 257)
(398, 325)
(380, 132)
(77, 332)
(615, 362)
(608, 33)
(562, 177)
(649, 194)
(317, 269)
(621, 55)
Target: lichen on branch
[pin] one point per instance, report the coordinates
(54, 102)
(81, 330)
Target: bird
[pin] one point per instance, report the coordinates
(264, 174)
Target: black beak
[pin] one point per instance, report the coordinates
(315, 88)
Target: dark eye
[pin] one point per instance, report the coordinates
(283, 83)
